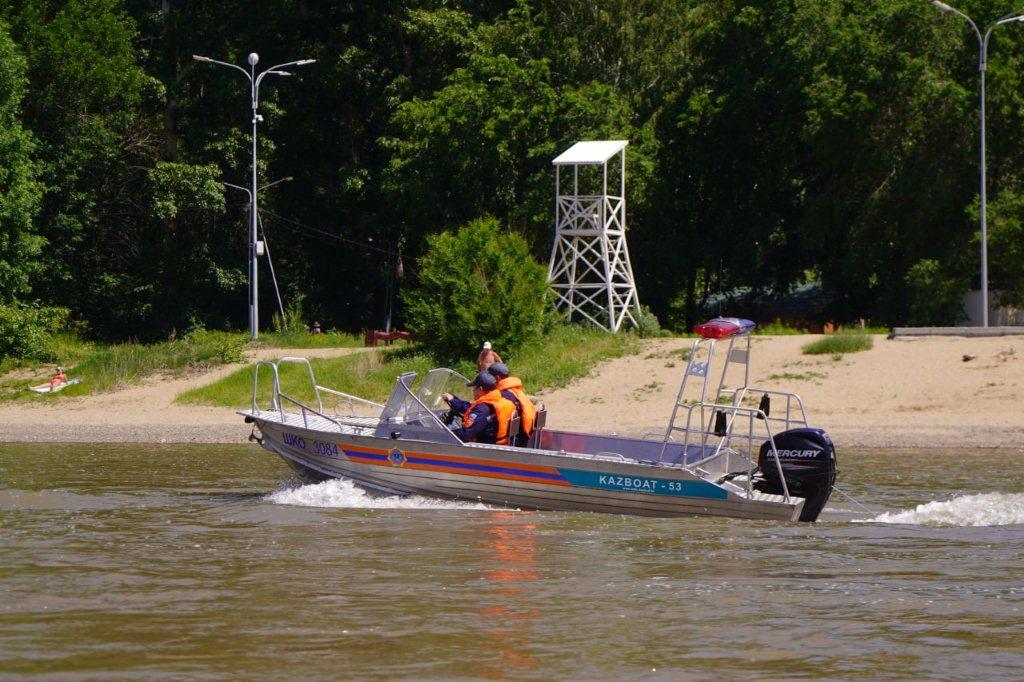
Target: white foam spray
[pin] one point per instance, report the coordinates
(988, 509)
(343, 493)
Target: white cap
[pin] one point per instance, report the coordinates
(487, 345)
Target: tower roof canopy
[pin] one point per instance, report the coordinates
(591, 152)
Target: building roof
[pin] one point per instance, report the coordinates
(590, 152)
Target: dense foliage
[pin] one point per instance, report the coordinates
(25, 331)
(772, 143)
(478, 284)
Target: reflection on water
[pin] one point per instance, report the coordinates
(206, 562)
(510, 568)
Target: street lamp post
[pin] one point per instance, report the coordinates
(982, 64)
(254, 91)
(266, 245)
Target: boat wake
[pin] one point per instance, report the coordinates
(344, 494)
(988, 509)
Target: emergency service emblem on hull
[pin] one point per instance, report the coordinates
(396, 457)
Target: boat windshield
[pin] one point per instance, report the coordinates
(437, 382)
(423, 406)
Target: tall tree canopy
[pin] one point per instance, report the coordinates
(19, 192)
(773, 143)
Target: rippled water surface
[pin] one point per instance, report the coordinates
(210, 562)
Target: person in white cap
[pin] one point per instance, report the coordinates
(486, 358)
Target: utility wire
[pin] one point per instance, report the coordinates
(328, 234)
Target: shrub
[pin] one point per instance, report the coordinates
(25, 331)
(478, 284)
(843, 342)
(648, 326)
(294, 319)
(213, 347)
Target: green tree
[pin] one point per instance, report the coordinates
(478, 284)
(934, 298)
(1005, 246)
(483, 143)
(95, 141)
(888, 131)
(19, 192)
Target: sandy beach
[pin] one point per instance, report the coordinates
(907, 392)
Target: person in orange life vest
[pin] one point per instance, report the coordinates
(58, 378)
(512, 388)
(486, 419)
(486, 358)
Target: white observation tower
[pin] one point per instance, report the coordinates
(590, 269)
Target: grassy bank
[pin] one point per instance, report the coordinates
(303, 339)
(565, 354)
(104, 367)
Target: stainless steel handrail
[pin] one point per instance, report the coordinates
(275, 387)
(309, 369)
(753, 414)
(305, 408)
(350, 398)
(788, 395)
(278, 398)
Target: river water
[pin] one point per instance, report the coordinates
(210, 562)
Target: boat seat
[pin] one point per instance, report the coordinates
(513, 428)
(538, 425)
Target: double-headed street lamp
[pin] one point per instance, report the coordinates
(254, 90)
(982, 63)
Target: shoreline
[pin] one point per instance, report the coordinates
(907, 393)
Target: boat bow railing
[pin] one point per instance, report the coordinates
(352, 400)
(278, 399)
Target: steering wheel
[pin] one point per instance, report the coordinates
(448, 417)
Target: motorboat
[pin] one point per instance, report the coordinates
(729, 449)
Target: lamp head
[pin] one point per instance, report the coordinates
(254, 59)
(200, 58)
(279, 73)
(1010, 20)
(303, 62)
(942, 6)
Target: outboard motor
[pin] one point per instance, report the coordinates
(808, 460)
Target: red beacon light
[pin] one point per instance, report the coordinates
(723, 327)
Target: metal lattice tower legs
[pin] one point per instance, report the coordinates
(590, 270)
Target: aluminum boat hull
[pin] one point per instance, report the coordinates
(516, 477)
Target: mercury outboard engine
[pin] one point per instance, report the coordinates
(808, 460)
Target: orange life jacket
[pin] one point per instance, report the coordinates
(503, 410)
(528, 409)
